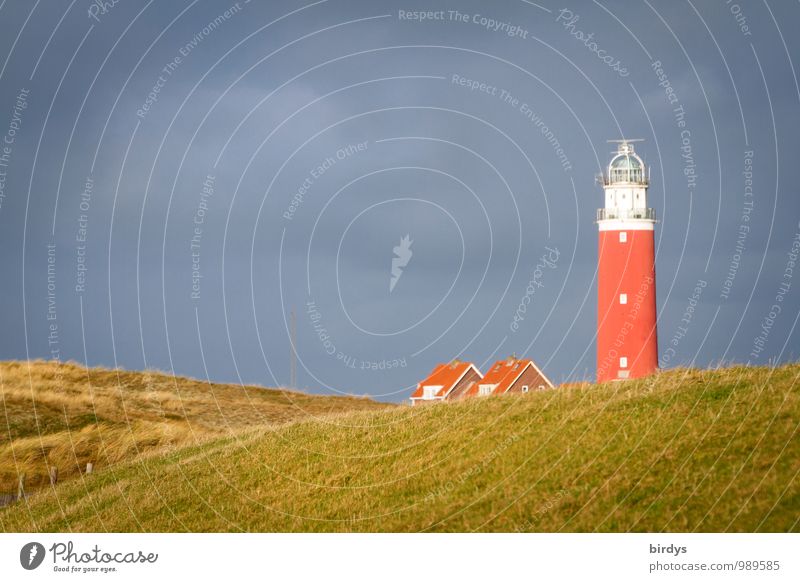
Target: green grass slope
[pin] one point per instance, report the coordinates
(64, 415)
(682, 451)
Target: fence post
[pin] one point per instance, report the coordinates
(89, 467)
(53, 475)
(21, 487)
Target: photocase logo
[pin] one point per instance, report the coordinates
(31, 555)
(400, 260)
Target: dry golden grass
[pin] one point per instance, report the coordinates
(65, 415)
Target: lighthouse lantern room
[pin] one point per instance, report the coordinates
(627, 345)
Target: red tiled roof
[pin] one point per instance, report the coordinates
(444, 375)
(504, 373)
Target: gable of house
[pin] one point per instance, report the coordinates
(530, 380)
(462, 387)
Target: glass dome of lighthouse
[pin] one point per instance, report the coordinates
(626, 166)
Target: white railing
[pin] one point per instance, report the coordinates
(626, 213)
(638, 180)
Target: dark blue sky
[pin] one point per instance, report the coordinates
(179, 176)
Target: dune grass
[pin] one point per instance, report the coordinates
(684, 450)
(65, 415)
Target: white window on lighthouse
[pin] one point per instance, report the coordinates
(623, 298)
(623, 362)
(623, 236)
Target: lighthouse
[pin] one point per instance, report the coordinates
(627, 345)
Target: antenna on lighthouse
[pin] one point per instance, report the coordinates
(623, 145)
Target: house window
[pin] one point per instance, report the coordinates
(541, 386)
(623, 237)
(623, 298)
(484, 389)
(524, 388)
(429, 392)
(623, 362)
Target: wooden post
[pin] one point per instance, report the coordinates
(53, 475)
(21, 487)
(88, 468)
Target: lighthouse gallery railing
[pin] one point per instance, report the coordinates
(626, 213)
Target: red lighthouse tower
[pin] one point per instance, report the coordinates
(627, 346)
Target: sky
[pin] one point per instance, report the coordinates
(178, 178)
